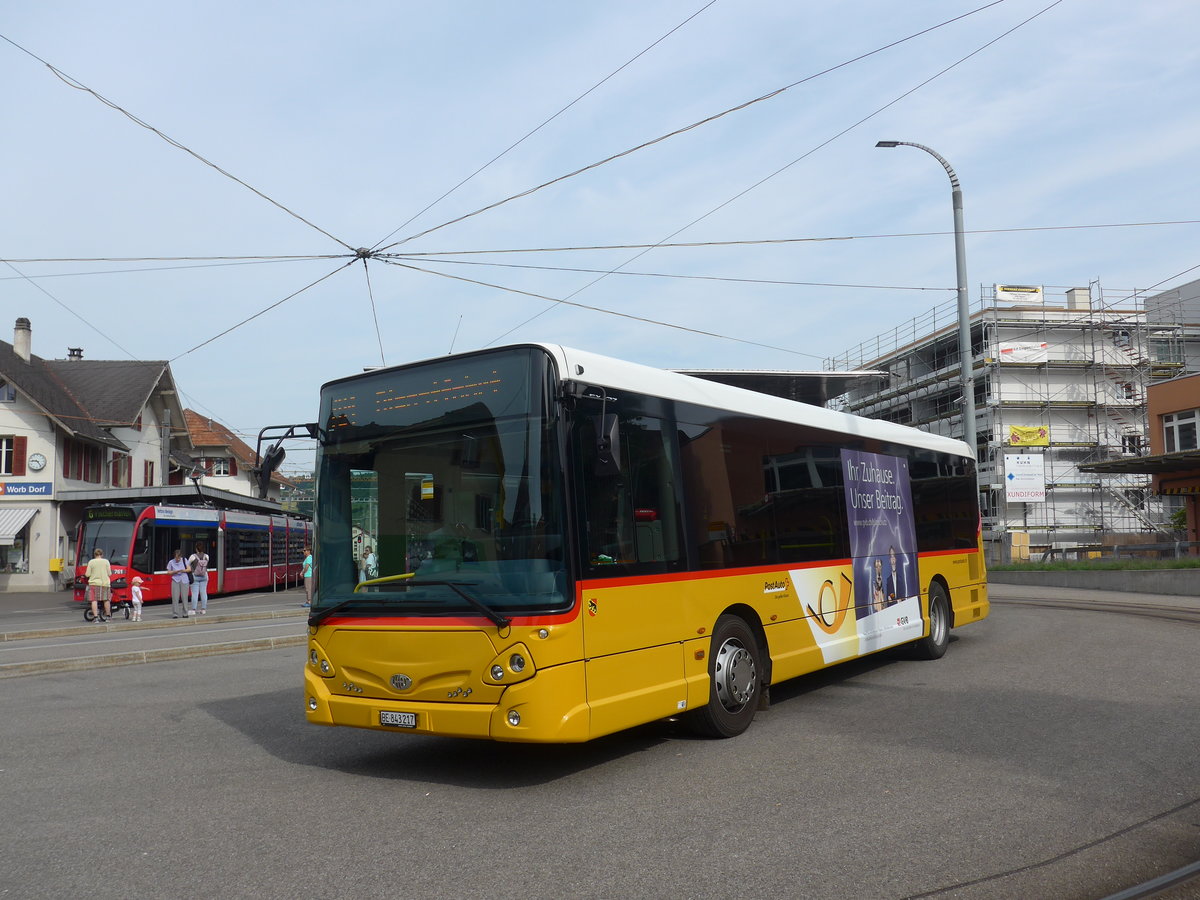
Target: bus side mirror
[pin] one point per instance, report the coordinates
(608, 444)
(272, 457)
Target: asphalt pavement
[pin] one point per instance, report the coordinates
(47, 632)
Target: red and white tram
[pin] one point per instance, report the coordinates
(247, 551)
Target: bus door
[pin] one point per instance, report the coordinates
(628, 513)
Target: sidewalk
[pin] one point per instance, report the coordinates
(46, 632)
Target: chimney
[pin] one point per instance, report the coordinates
(1079, 298)
(23, 338)
(74, 353)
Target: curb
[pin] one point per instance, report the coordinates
(7, 636)
(14, 670)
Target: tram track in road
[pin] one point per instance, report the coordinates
(1168, 612)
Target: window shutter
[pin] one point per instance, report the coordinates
(19, 446)
(232, 466)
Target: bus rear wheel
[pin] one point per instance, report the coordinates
(734, 673)
(934, 645)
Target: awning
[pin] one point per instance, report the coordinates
(12, 520)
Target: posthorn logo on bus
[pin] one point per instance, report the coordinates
(401, 682)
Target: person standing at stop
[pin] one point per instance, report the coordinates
(177, 568)
(198, 563)
(99, 589)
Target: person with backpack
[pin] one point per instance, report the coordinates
(198, 564)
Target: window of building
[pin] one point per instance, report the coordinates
(1179, 430)
(122, 470)
(8, 454)
(218, 465)
(82, 462)
(7, 393)
(148, 473)
(1131, 443)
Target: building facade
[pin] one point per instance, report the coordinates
(76, 432)
(1060, 383)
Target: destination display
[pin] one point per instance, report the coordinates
(472, 388)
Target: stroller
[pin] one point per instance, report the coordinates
(118, 604)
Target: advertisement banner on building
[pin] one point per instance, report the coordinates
(1024, 294)
(1024, 478)
(1023, 352)
(1028, 436)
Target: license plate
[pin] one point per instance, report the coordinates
(399, 719)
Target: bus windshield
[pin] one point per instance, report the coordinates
(113, 537)
(440, 490)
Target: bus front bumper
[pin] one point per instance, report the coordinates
(549, 708)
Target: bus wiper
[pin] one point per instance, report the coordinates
(457, 586)
(321, 615)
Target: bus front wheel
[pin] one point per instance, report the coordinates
(934, 645)
(735, 680)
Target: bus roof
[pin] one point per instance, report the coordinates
(593, 368)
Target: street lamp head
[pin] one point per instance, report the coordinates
(888, 144)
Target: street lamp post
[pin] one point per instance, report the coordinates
(966, 376)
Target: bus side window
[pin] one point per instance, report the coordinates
(631, 510)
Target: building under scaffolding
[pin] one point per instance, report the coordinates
(1060, 381)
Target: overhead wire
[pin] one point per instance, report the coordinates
(778, 281)
(530, 134)
(824, 143)
(599, 309)
(153, 268)
(793, 240)
(694, 125)
(374, 312)
(262, 311)
(80, 86)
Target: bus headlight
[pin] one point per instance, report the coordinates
(514, 664)
(316, 659)
(514, 718)
(312, 703)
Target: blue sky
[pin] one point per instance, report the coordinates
(358, 116)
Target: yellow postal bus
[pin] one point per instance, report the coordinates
(569, 545)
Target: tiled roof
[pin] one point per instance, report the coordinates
(68, 404)
(114, 391)
(208, 433)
